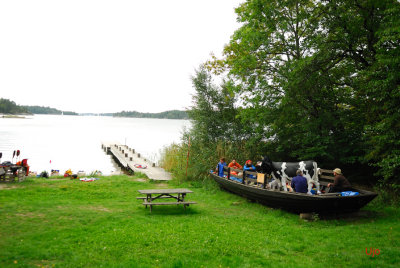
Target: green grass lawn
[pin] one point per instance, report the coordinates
(69, 223)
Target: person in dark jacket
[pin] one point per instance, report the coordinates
(299, 183)
(340, 183)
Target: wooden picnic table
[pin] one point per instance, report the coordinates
(154, 194)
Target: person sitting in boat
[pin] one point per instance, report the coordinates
(259, 169)
(248, 166)
(220, 167)
(235, 165)
(340, 183)
(299, 183)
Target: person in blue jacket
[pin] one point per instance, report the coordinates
(220, 167)
(248, 166)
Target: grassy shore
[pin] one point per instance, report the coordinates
(69, 223)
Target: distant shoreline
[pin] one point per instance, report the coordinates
(15, 116)
(12, 116)
(172, 114)
(12, 110)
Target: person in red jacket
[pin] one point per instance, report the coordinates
(234, 165)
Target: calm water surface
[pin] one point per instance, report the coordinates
(63, 142)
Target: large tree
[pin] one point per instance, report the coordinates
(379, 88)
(260, 54)
(308, 73)
(288, 85)
(365, 35)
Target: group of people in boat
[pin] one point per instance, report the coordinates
(248, 166)
(298, 183)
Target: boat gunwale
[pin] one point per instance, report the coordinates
(362, 192)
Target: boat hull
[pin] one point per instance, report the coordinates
(298, 202)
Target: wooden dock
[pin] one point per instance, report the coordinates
(127, 158)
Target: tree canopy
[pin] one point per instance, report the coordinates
(10, 107)
(313, 79)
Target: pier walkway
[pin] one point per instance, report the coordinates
(128, 158)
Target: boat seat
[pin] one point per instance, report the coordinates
(260, 177)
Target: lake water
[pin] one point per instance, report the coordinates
(74, 142)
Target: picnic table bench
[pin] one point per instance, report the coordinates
(154, 194)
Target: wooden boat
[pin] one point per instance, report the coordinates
(291, 201)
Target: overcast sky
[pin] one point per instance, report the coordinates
(108, 56)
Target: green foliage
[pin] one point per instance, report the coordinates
(305, 79)
(10, 107)
(320, 80)
(42, 110)
(173, 114)
(217, 131)
(380, 89)
(213, 113)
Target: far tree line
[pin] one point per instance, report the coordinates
(10, 107)
(173, 114)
